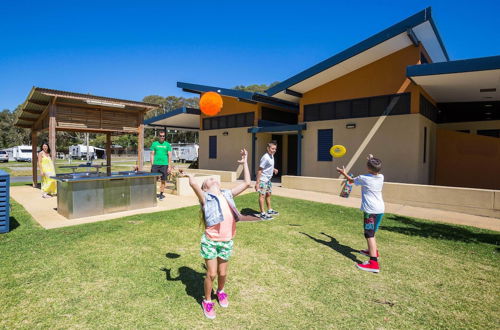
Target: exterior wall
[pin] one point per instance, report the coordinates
(231, 106)
(382, 77)
(398, 143)
(473, 201)
(228, 148)
(467, 160)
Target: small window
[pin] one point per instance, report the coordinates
(325, 142)
(378, 105)
(343, 109)
(249, 119)
(311, 112)
(206, 123)
(360, 108)
(402, 106)
(489, 132)
(212, 147)
(327, 111)
(231, 121)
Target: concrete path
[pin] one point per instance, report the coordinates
(44, 211)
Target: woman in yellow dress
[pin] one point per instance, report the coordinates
(46, 166)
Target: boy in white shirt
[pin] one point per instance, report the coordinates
(263, 181)
(372, 206)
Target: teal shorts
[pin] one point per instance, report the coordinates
(214, 249)
(371, 222)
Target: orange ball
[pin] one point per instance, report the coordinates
(210, 103)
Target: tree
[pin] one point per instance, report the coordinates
(255, 87)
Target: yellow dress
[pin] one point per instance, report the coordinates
(49, 186)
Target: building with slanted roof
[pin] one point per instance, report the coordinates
(396, 95)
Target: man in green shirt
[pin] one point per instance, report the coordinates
(161, 156)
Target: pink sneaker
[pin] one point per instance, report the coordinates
(208, 309)
(222, 297)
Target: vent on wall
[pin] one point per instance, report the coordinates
(486, 90)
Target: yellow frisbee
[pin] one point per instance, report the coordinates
(338, 151)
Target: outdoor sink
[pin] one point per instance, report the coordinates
(131, 172)
(78, 175)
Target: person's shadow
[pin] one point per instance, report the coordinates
(192, 280)
(345, 250)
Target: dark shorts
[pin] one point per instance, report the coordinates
(163, 169)
(371, 223)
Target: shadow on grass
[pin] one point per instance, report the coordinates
(249, 211)
(345, 250)
(439, 231)
(192, 280)
(13, 223)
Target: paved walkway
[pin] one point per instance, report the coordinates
(44, 211)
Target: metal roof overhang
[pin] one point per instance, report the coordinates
(242, 96)
(182, 119)
(417, 28)
(472, 80)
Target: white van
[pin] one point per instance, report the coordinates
(22, 153)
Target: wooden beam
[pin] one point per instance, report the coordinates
(94, 130)
(40, 119)
(52, 131)
(140, 141)
(33, 112)
(39, 103)
(108, 153)
(34, 157)
(96, 107)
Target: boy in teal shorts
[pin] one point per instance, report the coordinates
(161, 155)
(372, 205)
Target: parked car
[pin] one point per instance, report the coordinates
(4, 156)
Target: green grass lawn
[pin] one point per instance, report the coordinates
(117, 165)
(296, 271)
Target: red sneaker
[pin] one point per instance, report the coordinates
(367, 253)
(369, 266)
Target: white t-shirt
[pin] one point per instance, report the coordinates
(267, 165)
(371, 193)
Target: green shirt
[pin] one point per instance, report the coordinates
(161, 152)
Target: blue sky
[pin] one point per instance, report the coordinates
(130, 49)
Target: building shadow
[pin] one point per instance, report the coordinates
(192, 279)
(412, 227)
(345, 250)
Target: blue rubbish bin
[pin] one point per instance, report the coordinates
(4, 202)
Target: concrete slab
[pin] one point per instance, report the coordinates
(44, 210)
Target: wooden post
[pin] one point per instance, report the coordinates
(34, 157)
(140, 141)
(52, 131)
(108, 153)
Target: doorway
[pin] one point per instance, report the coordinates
(278, 156)
(292, 155)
